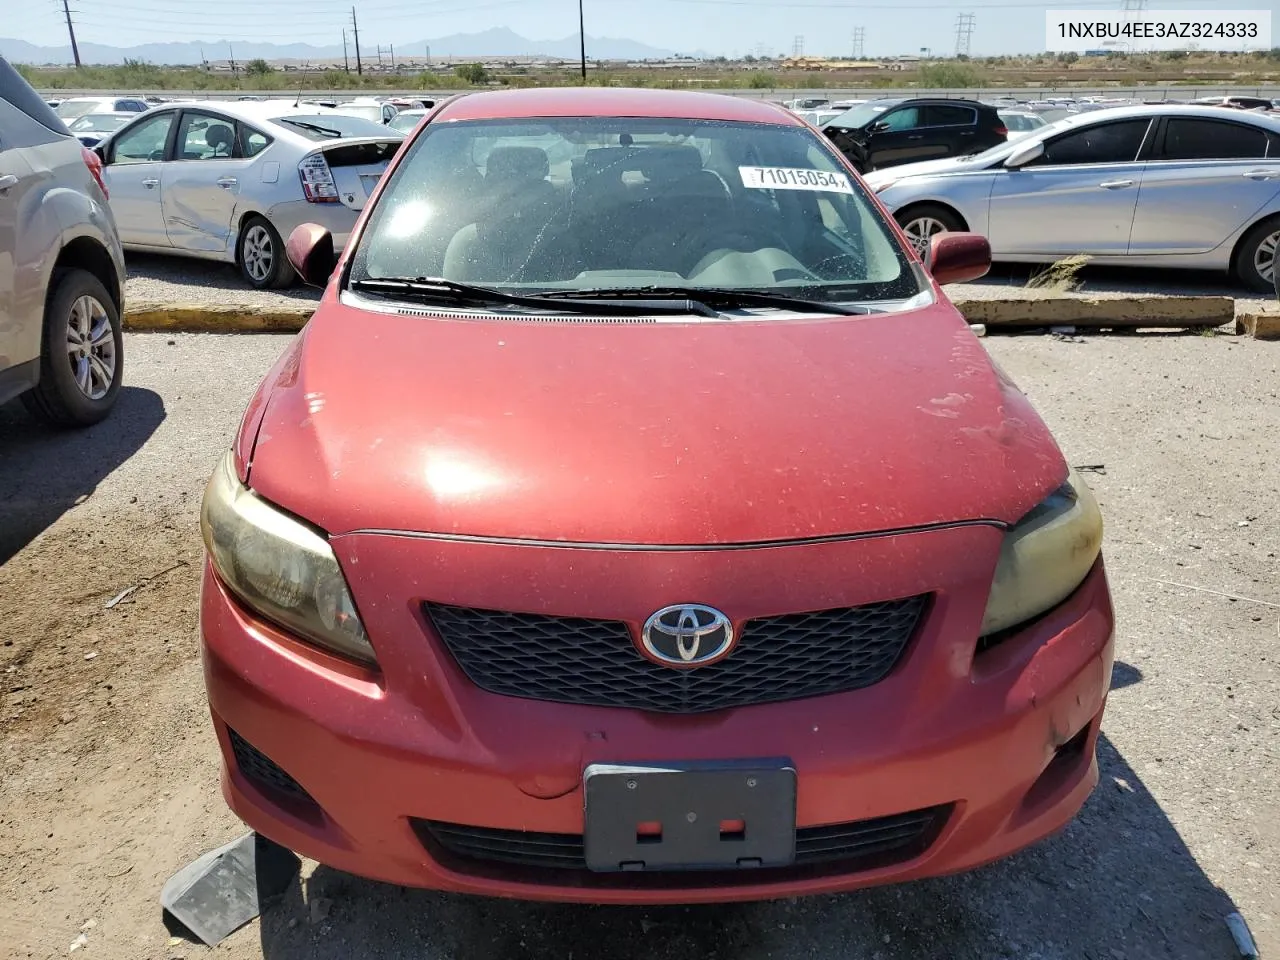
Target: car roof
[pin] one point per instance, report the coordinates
(614, 102)
(1200, 111)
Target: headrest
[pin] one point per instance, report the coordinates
(517, 163)
(219, 135)
(669, 163)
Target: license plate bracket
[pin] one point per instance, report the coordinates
(717, 815)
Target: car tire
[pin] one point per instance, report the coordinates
(1256, 256)
(261, 256)
(921, 223)
(81, 355)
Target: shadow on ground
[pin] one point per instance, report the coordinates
(44, 471)
(189, 272)
(1117, 884)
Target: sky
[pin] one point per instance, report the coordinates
(718, 27)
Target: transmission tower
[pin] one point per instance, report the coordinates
(859, 42)
(797, 46)
(1133, 5)
(964, 33)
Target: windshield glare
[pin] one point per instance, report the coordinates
(598, 203)
(860, 115)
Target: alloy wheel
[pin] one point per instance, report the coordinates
(258, 254)
(1264, 256)
(91, 347)
(921, 230)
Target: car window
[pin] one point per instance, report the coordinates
(597, 202)
(1186, 138)
(860, 115)
(906, 118)
(947, 116)
(252, 141)
(1117, 142)
(202, 136)
(70, 109)
(14, 89)
(406, 120)
(144, 142)
(102, 122)
(130, 106)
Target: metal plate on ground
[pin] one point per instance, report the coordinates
(716, 815)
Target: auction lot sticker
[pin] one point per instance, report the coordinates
(794, 178)
(1135, 31)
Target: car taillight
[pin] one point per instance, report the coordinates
(94, 163)
(1002, 131)
(318, 185)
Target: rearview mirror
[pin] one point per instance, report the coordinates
(310, 250)
(958, 257)
(1024, 155)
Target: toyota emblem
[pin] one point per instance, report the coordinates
(687, 635)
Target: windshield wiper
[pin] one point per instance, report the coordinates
(329, 132)
(467, 294)
(724, 299)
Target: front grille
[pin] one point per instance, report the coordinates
(263, 771)
(861, 844)
(594, 662)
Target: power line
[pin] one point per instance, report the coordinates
(964, 34)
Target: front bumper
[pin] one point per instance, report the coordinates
(1003, 742)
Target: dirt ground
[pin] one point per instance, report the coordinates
(110, 770)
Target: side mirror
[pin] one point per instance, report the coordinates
(958, 257)
(310, 250)
(101, 151)
(1024, 155)
(880, 126)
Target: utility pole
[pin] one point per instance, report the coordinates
(393, 57)
(355, 27)
(859, 42)
(964, 33)
(582, 42)
(232, 51)
(75, 51)
(346, 64)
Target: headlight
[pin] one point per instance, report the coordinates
(1045, 556)
(279, 566)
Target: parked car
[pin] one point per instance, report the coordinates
(806, 103)
(91, 128)
(78, 106)
(377, 111)
(1019, 123)
(227, 180)
(817, 117)
(1151, 186)
(603, 537)
(885, 133)
(1239, 102)
(61, 266)
(406, 120)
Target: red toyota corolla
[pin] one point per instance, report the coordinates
(636, 521)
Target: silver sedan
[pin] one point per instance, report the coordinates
(225, 180)
(1155, 186)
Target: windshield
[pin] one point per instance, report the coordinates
(68, 109)
(861, 115)
(406, 120)
(331, 126)
(99, 122)
(1021, 121)
(582, 204)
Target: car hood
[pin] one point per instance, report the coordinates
(649, 433)
(925, 168)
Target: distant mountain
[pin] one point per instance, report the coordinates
(496, 42)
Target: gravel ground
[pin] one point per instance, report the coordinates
(155, 280)
(110, 769)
